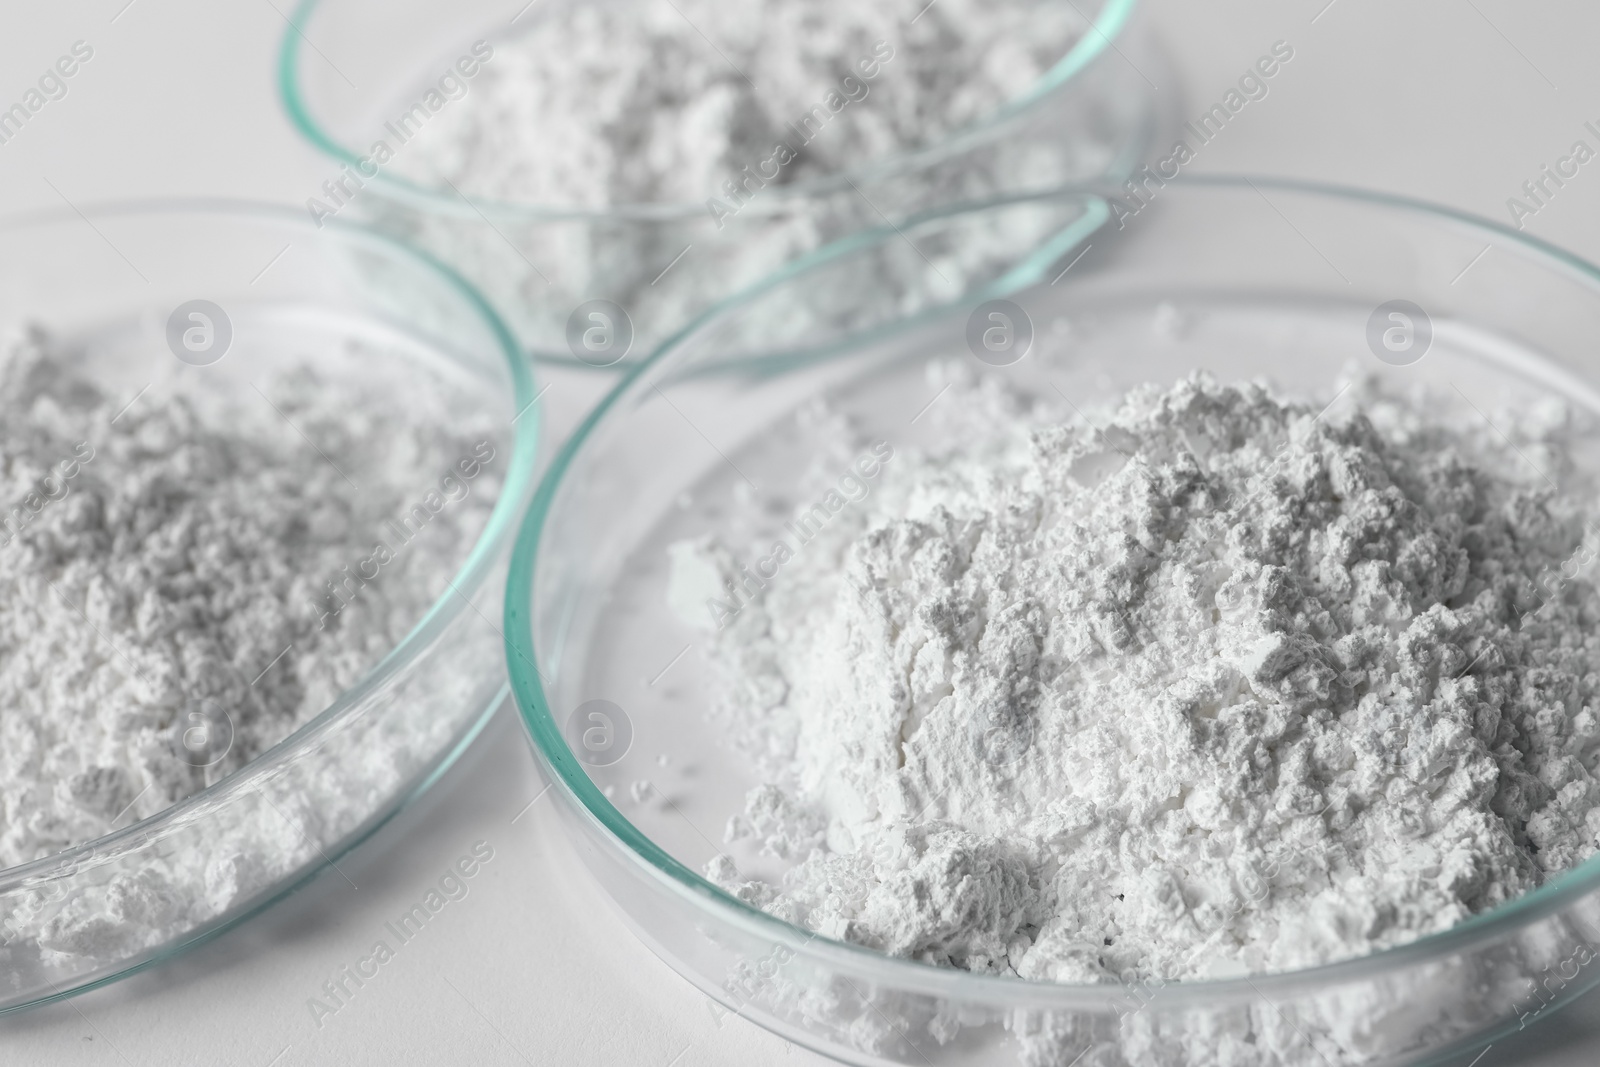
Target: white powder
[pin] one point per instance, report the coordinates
(1225, 687)
(718, 108)
(169, 577)
(605, 104)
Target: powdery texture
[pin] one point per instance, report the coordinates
(711, 114)
(1226, 686)
(634, 103)
(168, 609)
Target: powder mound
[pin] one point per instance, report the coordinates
(634, 103)
(702, 145)
(185, 584)
(1227, 685)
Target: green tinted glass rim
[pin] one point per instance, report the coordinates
(533, 706)
(195, 938)
(1108, 23)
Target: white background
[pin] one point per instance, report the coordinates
(1458, 101)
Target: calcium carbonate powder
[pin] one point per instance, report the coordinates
(1225, 685)
(697, 119)
(710, 102)
(186, 581)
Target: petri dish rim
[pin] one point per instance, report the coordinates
(911, 975)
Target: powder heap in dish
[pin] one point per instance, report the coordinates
(184, 582)
(604, 104)
(1225, 686)
(713, 116)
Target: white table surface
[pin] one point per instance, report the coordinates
(1458, 101)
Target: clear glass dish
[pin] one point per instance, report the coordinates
(289, 294)
(347, 69)
(1244, 277)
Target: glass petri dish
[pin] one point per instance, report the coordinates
(346, 70)
(351, 304)
(1244, 277)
